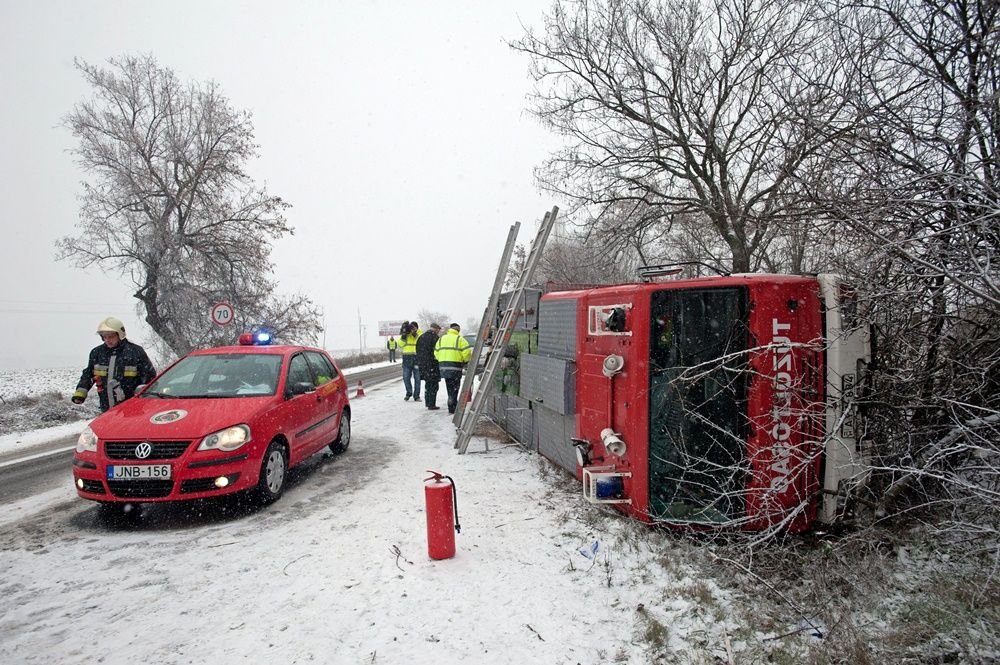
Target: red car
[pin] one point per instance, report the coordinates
(217, 421)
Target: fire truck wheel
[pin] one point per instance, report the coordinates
(343, 439)
(273, 470)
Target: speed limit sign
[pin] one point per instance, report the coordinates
(222, 314)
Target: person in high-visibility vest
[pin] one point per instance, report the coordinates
(392, 344)
(452, 352)
(408, 335)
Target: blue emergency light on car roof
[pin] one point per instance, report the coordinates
(259, 338)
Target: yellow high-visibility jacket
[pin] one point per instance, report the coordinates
(452, 351)
(409, 343)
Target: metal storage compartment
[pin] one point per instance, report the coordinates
(520, 420)
(549, 381)
(553, 432)
(527, 309)
(557, 329)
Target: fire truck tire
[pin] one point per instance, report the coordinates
(273, 472)
(343, 439)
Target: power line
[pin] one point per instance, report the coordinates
(102, 308)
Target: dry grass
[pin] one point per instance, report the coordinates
(23, 413)
(878, 596)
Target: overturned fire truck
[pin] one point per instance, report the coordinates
(710, 402)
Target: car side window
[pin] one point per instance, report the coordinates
(298, 371)
(321, 367)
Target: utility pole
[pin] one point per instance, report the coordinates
(361, 347)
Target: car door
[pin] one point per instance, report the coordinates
(304, 412)
(329, 389)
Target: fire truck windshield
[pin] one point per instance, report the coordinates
(697, 393)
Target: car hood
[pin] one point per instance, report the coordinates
(150, 418)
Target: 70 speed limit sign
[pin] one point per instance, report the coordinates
(222, 314)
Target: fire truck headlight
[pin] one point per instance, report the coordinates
(613, 442)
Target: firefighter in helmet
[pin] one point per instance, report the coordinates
(116, 367)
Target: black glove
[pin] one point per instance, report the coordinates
(79, 396)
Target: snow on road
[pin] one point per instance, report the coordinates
(337, 571)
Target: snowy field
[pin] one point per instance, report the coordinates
(33, 400)
(30, 382)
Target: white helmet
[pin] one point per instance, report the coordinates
(111, 325)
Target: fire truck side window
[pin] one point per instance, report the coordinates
(697, 407)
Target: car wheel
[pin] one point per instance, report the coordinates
(343, 439)
(273, 471)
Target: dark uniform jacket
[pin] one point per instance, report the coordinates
(425, 357)
(131, 368)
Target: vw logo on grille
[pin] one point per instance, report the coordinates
(143, 450)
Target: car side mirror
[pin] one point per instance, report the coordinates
(299, 388)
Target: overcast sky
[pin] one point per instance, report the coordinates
(397, 130)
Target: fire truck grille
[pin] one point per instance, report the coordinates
(141, 489)
(161, 449)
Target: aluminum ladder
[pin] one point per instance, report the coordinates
(465, 393)
(471, 416)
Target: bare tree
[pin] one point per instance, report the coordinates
(169, 205)
(706, 110)
(428, 316)
(921, 195)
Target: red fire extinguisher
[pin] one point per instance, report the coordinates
(442, 515)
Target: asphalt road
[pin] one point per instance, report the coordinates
(51, 464)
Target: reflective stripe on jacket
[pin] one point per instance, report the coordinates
(131, 368)
(452, 351)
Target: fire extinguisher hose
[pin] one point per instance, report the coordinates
(454, 496)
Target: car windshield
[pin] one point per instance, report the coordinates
(219, 375)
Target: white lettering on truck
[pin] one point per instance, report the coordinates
(781, 410)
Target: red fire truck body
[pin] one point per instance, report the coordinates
(715, 402)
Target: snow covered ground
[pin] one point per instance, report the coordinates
(337, 571)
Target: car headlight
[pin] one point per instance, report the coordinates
(227, 439)
(87, 441)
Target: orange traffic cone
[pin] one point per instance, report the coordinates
(361, 389)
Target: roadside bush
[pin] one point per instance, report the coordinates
(359, 359)
(28, 412)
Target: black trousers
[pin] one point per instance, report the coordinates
(452, 382)
(431, 385)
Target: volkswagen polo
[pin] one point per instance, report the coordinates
(217, 421)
